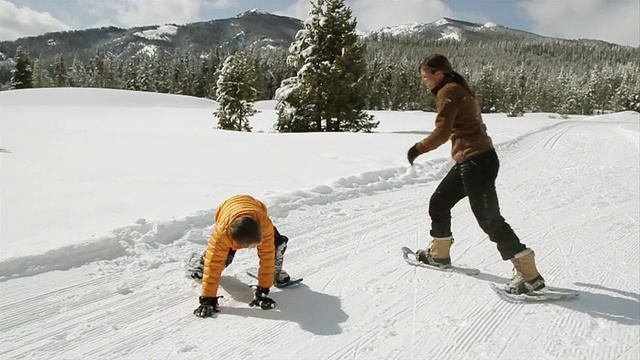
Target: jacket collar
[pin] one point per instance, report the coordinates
(447, 79)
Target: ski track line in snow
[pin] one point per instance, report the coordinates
(571, 229)
(556, 193)
(364, 343)
(487, 320)
(631, 135)
(549, 140)
(74, 321)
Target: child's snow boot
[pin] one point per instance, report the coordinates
(281, 276)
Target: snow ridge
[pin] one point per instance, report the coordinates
(140, 236)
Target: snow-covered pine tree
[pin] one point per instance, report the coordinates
(235, 93)
(328, 92)
(571, 104)
(634, 97)
(78, 74)
(590, 89)
(160, 73)
(131, 75)
(144, 73)
(41, 76)
(401, 87)
(100, 70)
(202, 86)
(487, 88)
(61, 73)
(517, 109)
(21, 75)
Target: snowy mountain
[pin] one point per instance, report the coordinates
(106, 193)
(252, 29)
(451, 29)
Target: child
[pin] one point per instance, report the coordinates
(242, 222)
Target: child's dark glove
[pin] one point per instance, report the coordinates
(413, 154)
(260, 299)
(208, 307)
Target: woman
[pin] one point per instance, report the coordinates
(473, 175)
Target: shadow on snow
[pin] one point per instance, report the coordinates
(315, 312)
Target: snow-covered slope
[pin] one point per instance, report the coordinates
(348, 202)
(163, 32)
(451, 29)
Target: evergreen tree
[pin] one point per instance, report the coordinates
(61, 77)
(144, 74)
(21, 75)
(564, 96)
(378, 82)
(487, 90)
(517, 108)
(99, 70)
(205, 73)
(293, 110)
(328, 91)
(403, 88)
(235, 93)
(78, 75)
(131, 76)
(634, 96)
(41, 77)
(160, 77)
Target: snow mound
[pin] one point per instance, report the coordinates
(94, 97)
(160, 33)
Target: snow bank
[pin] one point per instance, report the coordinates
(94, 97)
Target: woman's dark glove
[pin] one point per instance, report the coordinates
(413, 154)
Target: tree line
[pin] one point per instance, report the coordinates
(329, 75)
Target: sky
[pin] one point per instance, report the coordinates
(616, 21)
(106, 194)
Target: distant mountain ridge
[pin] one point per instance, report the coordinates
(452, 29)
(254, 29)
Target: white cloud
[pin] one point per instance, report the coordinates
(16, 22)
(616, 21)
(129, 13)
(221, 4)
(375, 14)
(299, 9)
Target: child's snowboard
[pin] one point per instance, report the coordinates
(253, 272)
